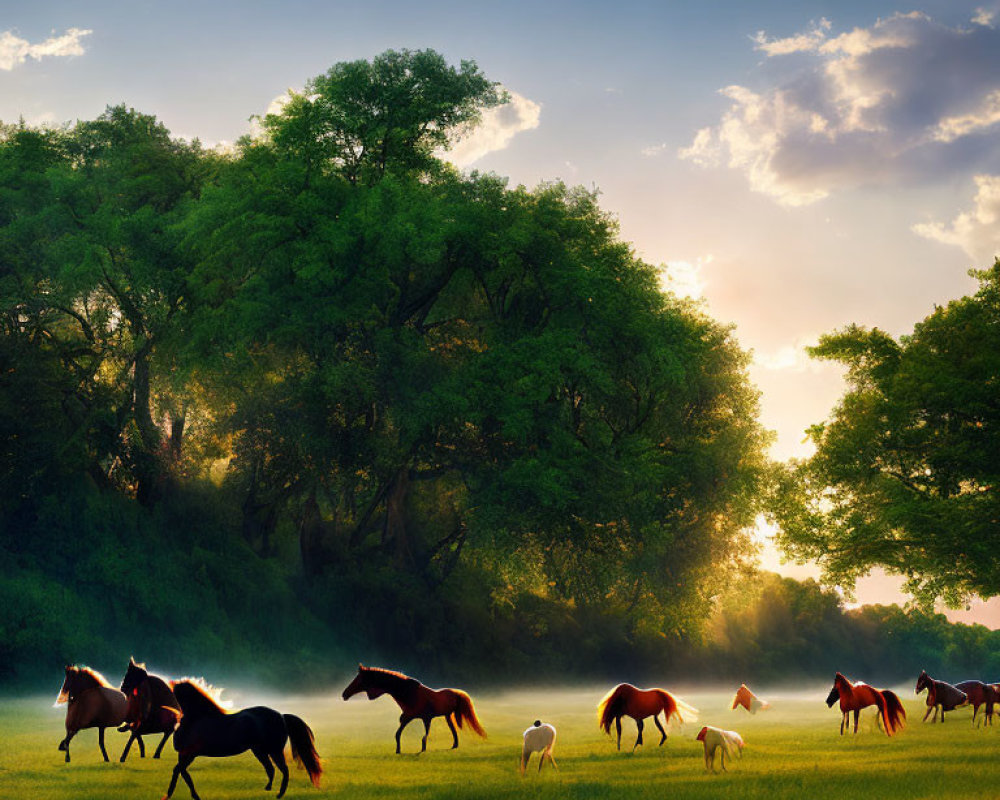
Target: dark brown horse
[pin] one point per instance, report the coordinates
(856, 696)
(152, 708)
(417, 701)
(207, 729)
(978, 694)
(940, 696)
(91, 703)
(625, 700)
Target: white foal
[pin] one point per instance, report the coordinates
(729, 742)
(540, 737)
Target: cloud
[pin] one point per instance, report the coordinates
(977, 232)
(905, 98)
(14, 50)
(499, 125)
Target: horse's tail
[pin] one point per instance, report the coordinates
(303, 743)
(883, 709)
(674, 706)
(465, 712)
(610, 706)
(894, 710)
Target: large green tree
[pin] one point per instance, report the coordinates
(906, 470)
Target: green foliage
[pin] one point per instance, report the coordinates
(906, 470)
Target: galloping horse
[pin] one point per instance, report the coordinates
(416, 701)
(980, 693)
(940, 695)
(856, 696)
(744, 697)
(627, 700)
(207, 729)
(92, 703)
(152, 708)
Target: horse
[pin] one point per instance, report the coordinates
(627, 700)
(152, 708)
(92, 702)
(207, 729)
(980, 693)
(729, 742)
(856, 696)
(940, 695)
(539, 738)
(416, 701)
(744, 697)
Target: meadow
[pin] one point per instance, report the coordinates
(793, 750)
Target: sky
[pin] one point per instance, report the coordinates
(797, 166)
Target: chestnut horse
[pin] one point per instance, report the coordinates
(207, 729)
(856, 696)
(980, 693)
(744, 697)
(152, 708)
(940, 695)
(416, 701)
(91, 703)
(627, 700)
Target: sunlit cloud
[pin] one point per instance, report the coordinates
(788, 358)
(14, 50)
(907, 97)
(683, 278)
(977, 231)
(654, 150)
(985, 16)
(499, 125)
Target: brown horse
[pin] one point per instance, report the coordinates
(856, 696)
(152, 708)
(978, 694)
(416, 701)
(744, 697)
(91, 703)
(940, 696)
(627, 700)
(207, 729)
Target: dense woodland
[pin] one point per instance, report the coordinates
(324, 398)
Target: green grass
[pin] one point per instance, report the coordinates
(794, 750)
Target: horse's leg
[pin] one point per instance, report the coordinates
(975, 710)
(663, 733)
(180, 769)
(857, 715)
(404, 720)
(844, 721)
(64, 744)
(451, 726)
(427, 732)
(142, 746)
(638, 739)
(163, 741)
(929, 710)
(618, 727)
(722, 757)
(100, 741)
(128, 746)
(261, 755)
(278, 756)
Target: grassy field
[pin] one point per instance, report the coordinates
(794, 750)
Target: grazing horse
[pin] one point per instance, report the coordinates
(207, 729)
(91, 703)
(856, 696)
(940, 695)
(152, 708)
(744, 697)
(539, 738)
(416, 701)
(627, 700)
(729, 742)
(980, 693)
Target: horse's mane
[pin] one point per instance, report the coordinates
(197, 698)
(387, 676)
(93, 674)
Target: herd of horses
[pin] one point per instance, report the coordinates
(187, 709)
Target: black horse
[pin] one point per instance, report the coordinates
(152, 708)
(207, 729)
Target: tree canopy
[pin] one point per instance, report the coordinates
(906, 470)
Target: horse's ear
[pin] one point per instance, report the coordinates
(131, 661)
(360, 666)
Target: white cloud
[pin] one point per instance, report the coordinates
(977, 232)
(906, 97)
(499, 125)
(14, 50)
(985, 16)
(654, 150)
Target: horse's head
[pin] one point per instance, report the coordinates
(359, 684)
(833, 697)
(69, 683)
(134, 675)
(701, 734)
(923, 682)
